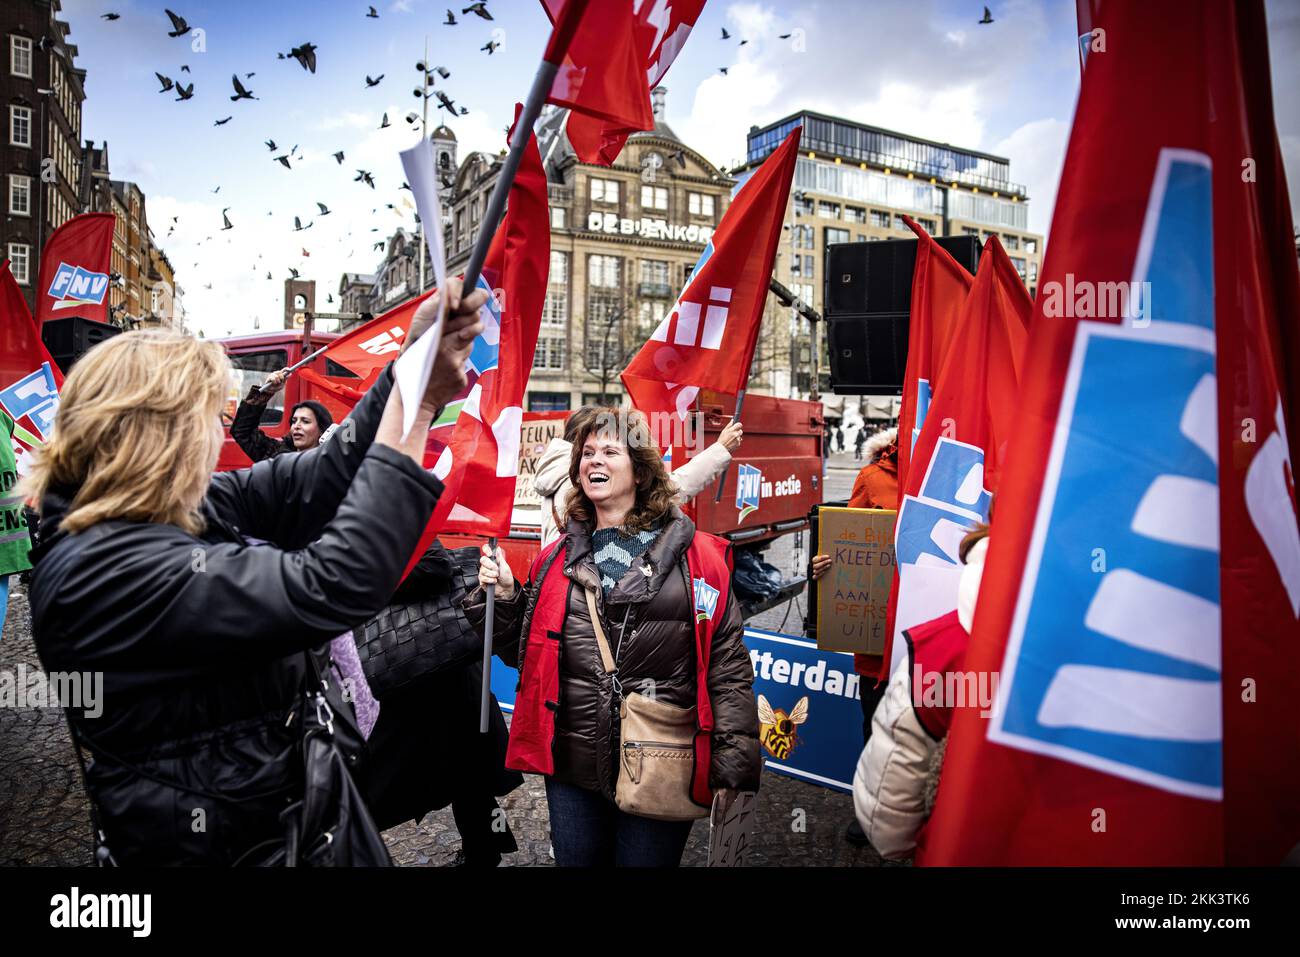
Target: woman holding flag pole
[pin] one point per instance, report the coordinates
(206, 600)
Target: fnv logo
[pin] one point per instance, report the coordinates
(706, 599)
(74, 286)
(749, 481)
(689, 331)
(385, 342)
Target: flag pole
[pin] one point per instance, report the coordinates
(556, 49)
(722, 479)
(302, 362)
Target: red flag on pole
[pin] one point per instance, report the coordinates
(939, 288)
(74, 269)
(370, 347)
(707, 339)
(29, 379)
(476, 450)
(959, 453)
(1141, 595)
(619, 54)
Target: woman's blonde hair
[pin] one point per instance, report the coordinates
(137, 431)
(655, 491)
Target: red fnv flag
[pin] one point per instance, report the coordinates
(1141, 595)
(74, 269)
(707, 340)
(617, 40)
(29, 379)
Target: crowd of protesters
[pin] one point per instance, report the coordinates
(294, 724)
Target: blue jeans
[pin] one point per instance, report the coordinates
(587, 830)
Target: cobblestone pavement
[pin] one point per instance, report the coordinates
(44, 817)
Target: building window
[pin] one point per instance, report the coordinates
(970, 231)
(604, 191)
(557, 217)
(20, 126)
(654, 197)
(20, 56)
(649, 313)
(803, 207)
(654, 271)
(803, 237)
(879, 219)
(1019, 264)
(549, 354)
(836, 235)
(1013, 242)
(20, 195)
(1031, 245)
(929, 225)
(803, 266)
(20, 258)
(828, 210)
(1033, 271)
(556, 311)
(604, 272)
(901, 226)
(548, 401)
(855, 214)
(699, 204)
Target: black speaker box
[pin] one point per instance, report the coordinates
(69, 338)
(877, 277)
(868, 353)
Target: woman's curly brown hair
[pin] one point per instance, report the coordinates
(655, 492)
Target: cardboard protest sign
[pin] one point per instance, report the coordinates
(853, 597)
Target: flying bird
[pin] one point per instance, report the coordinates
(185, 92)
(339, 157)
(240, 92)
(185, 68)
(226, 219)
(364, 176)
(283, 161)
(786, 36)
(110, 16)
(373, 14)
(446, 101)
(293, 273)
(375, 81)
(722, 70)
(450, 21)
(680, 157)
(270, 145)
(305, 253)
(329, 299)
(305, 55)
(384, 124)
(324, 210)
(222, 122)
(298, 226)
(179, 26)
(249, 76)
(166, 82)
(268, 274)
(988, 17)
(490, 46)
(479, 8)
(462, 111)
(725, 34)
(743, 42)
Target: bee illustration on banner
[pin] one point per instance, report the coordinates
(777, 729)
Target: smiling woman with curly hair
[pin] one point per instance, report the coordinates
(614, 612)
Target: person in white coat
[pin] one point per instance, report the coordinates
(890, 782)
(551, 480)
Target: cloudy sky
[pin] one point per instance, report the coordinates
(923, 67)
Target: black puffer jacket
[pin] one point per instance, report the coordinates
(201, 639)
(652, 611)
(255, 443)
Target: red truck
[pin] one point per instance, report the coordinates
(773, 483)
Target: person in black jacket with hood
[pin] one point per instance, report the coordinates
(196, 595)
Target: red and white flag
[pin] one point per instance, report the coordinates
(958, 458)
(939, 288)
(29, 379)
(75, 268)
(621, 51)
(368, 348)
(1141, 596)
(707, 340)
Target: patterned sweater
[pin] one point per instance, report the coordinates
(614, 550)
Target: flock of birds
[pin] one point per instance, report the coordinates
(305, 55)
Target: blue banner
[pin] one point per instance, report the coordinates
(810, 718)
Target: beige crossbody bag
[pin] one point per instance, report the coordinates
(656, 747)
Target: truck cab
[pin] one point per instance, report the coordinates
(256, 356)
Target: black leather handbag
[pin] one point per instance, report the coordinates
(423, 630)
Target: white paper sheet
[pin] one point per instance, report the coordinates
(414, 366)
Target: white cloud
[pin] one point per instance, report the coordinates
(1038, 149)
